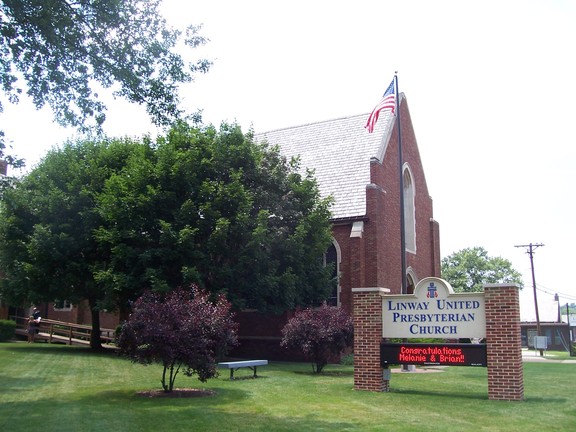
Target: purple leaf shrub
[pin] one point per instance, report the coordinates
(182, 330)
(319, 333)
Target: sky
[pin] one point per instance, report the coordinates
(489, 84)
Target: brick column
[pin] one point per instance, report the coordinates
(504, 344)
(356, 257)
(367, 314)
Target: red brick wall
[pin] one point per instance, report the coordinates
(367, 338)
(3, 311)
(351, 266)
(504, 343)
(426, 261)
(80, 314)
(434, 245)
(375, 260)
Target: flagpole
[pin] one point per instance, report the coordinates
(401, 174)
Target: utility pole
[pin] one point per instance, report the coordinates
(569, 331)
(530, 251)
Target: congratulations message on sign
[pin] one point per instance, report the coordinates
(434, 311)
(439, 354)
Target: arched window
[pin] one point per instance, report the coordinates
(410, 281)
(409, 211)
(332, 257)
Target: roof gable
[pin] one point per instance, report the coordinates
(339, 151)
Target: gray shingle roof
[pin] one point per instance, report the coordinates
(339, 151)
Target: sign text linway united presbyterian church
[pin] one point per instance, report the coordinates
(434, 310)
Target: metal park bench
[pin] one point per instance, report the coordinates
(235, 365)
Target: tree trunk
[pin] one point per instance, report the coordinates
(95, 342)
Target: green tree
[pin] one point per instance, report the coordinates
(47, 247)
(468, 269)
(107, 220)
(214, 208)
(7, 181)
(60, 48)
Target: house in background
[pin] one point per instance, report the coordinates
(360, 170)
(571, 320)
(557, 331)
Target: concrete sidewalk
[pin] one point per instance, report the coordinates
(534, 356)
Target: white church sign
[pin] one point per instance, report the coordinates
(434, 311)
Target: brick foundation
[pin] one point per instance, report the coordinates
(504, 344)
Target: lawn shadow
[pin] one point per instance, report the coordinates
(226, 377)
(459, 395)
(206, 414)
(8, 383)
(326, 373)
(225, 404)
(219, 396)
(475, 396)
(62, 349)
(539, 399)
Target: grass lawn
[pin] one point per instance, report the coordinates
(46, 388)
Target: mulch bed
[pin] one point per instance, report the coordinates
(176, 393)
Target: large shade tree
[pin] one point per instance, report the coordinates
(65, 53)
(47, 246)
(217, 209)
(7, 180)
(56, 51)
(469, 269)
(106, 221)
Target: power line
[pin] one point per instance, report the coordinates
(548, 291)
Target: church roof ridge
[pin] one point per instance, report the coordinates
(313, 123)
(339, 151)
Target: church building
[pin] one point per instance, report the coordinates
(360, 170)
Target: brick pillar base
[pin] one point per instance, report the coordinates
(368, 373)
(504, 343)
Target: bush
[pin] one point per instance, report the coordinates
(7, 330)
(183, 329)
(319, 334)
(347, 360)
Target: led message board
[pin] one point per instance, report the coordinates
(433, 354)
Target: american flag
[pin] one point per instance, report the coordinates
(388, 102)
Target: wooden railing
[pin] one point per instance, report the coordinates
(60, 331)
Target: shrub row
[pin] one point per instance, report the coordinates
(7, 330)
